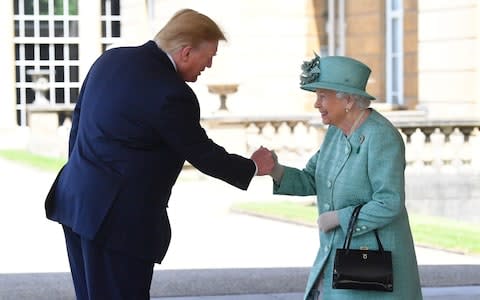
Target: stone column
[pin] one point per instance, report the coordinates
(90, 45)
(7, 67)
(448, 76)
(138, 28)
(477, 65)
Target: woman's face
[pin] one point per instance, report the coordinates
(330, 107)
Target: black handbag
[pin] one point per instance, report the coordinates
(360, 269)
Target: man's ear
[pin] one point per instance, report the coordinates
(185, 53)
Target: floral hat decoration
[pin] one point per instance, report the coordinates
(338, 73)
(310, 70)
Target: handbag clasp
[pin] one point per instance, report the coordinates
(364, 255)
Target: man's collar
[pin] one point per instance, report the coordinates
(171, 59)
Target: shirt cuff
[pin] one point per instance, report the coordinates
(256, 168)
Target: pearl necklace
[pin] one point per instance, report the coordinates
(355, 124)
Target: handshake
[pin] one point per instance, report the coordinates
(267, 163)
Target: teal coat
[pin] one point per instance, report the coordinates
(365, 168)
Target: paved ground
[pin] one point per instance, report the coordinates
(206, 235)
(447, 293)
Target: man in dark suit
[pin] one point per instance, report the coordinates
(134, 125)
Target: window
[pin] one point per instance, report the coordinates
(335, 28)
(110, 22)
(46, 47)
(394, 52)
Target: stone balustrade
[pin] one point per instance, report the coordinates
(443, 168)
(433, 143)
(428, 142)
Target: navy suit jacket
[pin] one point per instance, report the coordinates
(135, 123)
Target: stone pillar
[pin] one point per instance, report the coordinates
(138, 31)
(477, 66)
(43, 139)
(7, 67)
(448, 76)
(90, 45)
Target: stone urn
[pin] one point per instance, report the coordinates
(222, 90)
(40, 79)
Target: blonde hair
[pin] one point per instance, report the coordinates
(187, 28)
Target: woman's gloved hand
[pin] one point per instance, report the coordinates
(278, 169)
(328, 221)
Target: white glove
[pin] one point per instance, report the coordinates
(328, 220)
(278, 169)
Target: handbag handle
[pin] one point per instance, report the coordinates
(351, 225)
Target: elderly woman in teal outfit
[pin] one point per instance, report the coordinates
(361, 161)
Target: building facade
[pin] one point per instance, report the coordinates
(424, 54)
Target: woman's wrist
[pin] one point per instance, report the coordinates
(277, 172)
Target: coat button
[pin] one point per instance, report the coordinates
(326, 206)
(329, 184)
(364, 227)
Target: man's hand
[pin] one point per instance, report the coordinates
(263, 158)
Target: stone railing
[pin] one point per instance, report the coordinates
(433, 143)
(292, 136)
(440, 142)
(443, 170)
(428, 142)
(442, 174)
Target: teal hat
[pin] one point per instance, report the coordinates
(338, 73)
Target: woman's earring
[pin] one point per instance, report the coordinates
(347, 110)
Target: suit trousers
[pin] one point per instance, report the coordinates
(101, 273)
